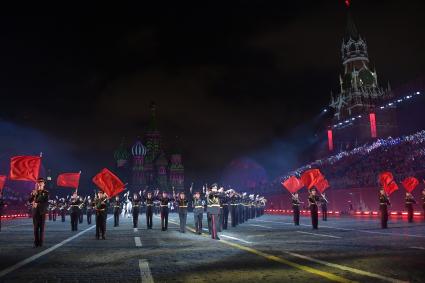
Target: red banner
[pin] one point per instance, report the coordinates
(70, 180)
(391, 188)
(410, 183)
(322, 185)
(292, 184)
(386, 179)
(2, 181)
(109, 183)
(311, 177)
(25, 168)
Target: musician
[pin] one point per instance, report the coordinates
(74, 207)
(409, 202)
(149, 201)
(313, 200)
(62, 209)
(117, 207)
(198, 211)
(164, 200)
(49, 209)
(100, 206)
(135, 202)
(39, 199)
(213, 209)
(324, 206)
(89, 210)
(81, 210)
(225, 203)
(384, 202)
(233, 200)
(182, 203)
(54, 209)
(296, 208)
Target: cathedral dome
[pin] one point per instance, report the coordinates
(121, 153)
(138, 149)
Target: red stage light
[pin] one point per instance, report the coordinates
(417, 213)
(394, 212)
(372, 118)
(358, 212)
(330, 140)
(404, 213)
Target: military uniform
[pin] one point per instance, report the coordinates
(89, 210)
(423, 203)
(81, 211)
(163, 204)
(213, 209)
(225, 203)
(296, 209)
(117, 207)
(182, 204)
(233, 201)
(314, 212)
(409, 202)
(198, 213)
(62, 209)
(136, 210)
(100, 205)
(74, 207)
(384, 202)
(324, 206)
(149, 201)
(39, 200)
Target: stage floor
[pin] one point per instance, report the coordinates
(266, 249)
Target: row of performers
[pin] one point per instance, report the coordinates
(315, 199)
(217, 203)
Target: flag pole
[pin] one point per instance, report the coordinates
(76, 189)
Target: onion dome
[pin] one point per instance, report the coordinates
(121, 153)
(138, 149)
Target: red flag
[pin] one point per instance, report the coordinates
(385, 178)
(391, 188)
(410, 183)
(311, 177)
(2, 182)
(292, 184)
(25, 168)
(322, 185)
(70, 180)
(108, 183)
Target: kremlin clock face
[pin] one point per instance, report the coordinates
(366, 77)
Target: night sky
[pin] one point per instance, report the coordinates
(231, 80)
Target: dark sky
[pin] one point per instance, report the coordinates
(242, 78)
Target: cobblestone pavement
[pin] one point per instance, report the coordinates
(266, 249)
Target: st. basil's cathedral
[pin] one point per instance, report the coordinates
(146, 165)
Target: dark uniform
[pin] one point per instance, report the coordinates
(39, 200)
(296, 208)
(234, 210)
(225, 203)
(54, 210)
(324, 205)
(163, 204)
(117, 207)
(213, 210)
(62, 209)
(136, 210)
(100, 206)
(198, 213)
(313, 200)
(384, 202)
(81, 211)
(50, 210)
(74, 207)
(149, 201)
(182, 204)
(89, 210)
(409, 202)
